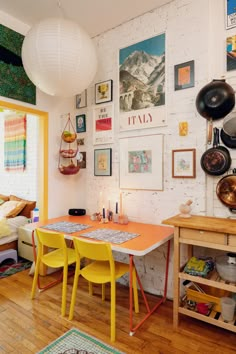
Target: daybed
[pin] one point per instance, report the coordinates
(14, 212)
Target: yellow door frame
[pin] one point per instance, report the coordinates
(43, 153)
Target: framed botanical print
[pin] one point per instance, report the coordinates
(184, 163)
(102, 162)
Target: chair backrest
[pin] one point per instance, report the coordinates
(50, 239)
(95, 251)
(98, 251)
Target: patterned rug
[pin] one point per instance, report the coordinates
(8, 267)
(77, 342)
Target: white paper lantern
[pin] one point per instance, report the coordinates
(59, 57)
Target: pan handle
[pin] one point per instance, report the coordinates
(216, 139)
(209, 131)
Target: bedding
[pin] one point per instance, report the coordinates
(14, 213)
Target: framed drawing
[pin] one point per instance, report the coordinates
(103, 92)
(103, 124)
(141, 162)
(142, 84)
(81, 99)
(184, 75)
(184, 163)
(81, 123)
(230, 13)
(102, 162)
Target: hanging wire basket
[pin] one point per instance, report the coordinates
(71, 169)
(66, 151)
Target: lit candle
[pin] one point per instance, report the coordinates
(116, 207)
(103, 212)
(121, 203)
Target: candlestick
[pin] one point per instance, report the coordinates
(116, 207)
(103, 213)
(121, 203)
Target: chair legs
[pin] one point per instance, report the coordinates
(135, 291)
(74, 290)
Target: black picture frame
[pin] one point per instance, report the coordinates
(103, 162)
(80, 123)
(103, 91)
(184, 75)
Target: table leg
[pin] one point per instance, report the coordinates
(160, 301)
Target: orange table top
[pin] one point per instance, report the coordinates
(150, 236)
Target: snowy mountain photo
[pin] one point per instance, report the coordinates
(142, 74)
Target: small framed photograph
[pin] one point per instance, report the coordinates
(103, 91)
(102, 162)
(81, 159)
(184, 75)
(184, 163)
(230, 14)
(81, 100)
(81, 123)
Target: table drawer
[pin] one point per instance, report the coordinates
(232, 240)
(205, 236)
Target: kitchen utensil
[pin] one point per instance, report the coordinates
(229, 124)
(226, 190)
(216, 160)
(226, 268)
(227, 140)
(215, 100)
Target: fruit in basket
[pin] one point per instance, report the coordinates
(68, 136)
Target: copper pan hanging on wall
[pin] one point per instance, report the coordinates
(226, 190)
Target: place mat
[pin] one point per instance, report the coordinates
(114, 236)
(66, 227)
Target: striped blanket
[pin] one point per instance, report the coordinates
(15, 143)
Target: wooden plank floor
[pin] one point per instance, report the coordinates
(27, 325)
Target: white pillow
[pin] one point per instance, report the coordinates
(11, 208)
(4, 228)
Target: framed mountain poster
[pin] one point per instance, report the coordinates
(142, 84)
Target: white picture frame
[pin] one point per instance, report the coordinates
(103, 124)
(230, 14)
(141, 162)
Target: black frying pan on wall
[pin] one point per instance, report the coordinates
(216, 160)
(227, 140)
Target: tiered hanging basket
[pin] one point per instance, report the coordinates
(68, 149)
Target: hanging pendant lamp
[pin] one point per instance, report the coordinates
(59, 57)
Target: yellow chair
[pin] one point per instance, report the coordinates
(59, 255)
(102, 269)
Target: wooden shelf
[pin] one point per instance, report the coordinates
(213, 280)
(213, 318)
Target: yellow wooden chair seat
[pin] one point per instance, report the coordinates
(102, 269)
(59, 255)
